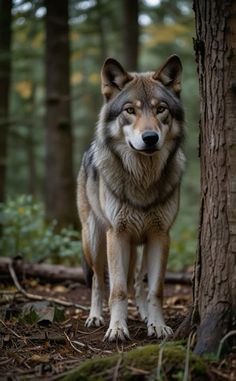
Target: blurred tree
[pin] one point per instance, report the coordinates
(102, 30)
(5, 71)
(130, 34)
(60, 185)
(215, 271)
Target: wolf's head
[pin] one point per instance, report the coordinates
(142, 111)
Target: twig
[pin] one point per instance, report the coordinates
(138, 371)
(160, 356)
(116, 371)
(159, 363)
(90, 332)
(186, 366)
(13, 332)
(85, 346)
(39, 297)
(8, 292)
(71, 344)
(230, 333)
(222, 375)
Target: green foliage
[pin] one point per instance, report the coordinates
(25, 233)
(183, 248)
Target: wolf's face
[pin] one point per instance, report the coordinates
(142, 111)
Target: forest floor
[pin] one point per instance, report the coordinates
(41, 342)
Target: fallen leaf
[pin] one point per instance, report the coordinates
(60, 288)
(40, 358)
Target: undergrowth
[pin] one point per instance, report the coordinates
(25, 233)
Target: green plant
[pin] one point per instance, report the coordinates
(25, 233)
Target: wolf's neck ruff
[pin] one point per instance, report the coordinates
(130, 179)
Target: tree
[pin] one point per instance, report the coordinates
(60, 185)
(5, 71)
(130, 34)
(215, 272)
(102, 31)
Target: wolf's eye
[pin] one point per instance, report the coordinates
(160, 109)
(130, 110)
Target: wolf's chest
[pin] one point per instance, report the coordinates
(138, 223)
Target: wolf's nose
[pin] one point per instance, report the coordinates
(150, 138)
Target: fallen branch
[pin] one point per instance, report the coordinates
(44, 271)
(40, 297)
(178, 278)
(59, 273)
(71, 344)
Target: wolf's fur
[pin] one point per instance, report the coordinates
(128, 191)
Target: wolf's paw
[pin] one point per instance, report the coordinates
(117, 331)
(142, 309)
(94, 321)
(144, 318)
(143, 315)
(159, 331)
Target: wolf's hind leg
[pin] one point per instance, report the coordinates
(95, 318)
(94, 240)
(140, 292)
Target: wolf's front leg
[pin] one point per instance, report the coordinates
(157, 254)
(118, 255)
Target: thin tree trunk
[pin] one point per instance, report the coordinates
(102, 33)
(215, 286)
(31, 158)
(60, 186)
(131, 34)
(5, 71)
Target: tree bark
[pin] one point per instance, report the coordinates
(130, 34)
(60, 185)
(5, 71)
(215, 283)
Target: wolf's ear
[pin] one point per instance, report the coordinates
(114, 78)
(170, 74)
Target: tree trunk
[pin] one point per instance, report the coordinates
(60, 185)
(5, 69)
(30, 146)
(102, 32)
(215, 283)
(130, 34)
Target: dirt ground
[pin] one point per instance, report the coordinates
(49, 349)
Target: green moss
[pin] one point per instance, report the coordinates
(131, 364)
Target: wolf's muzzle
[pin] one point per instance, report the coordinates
(150, 138)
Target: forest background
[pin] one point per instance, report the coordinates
(97, 31)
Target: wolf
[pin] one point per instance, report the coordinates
(128, 192)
